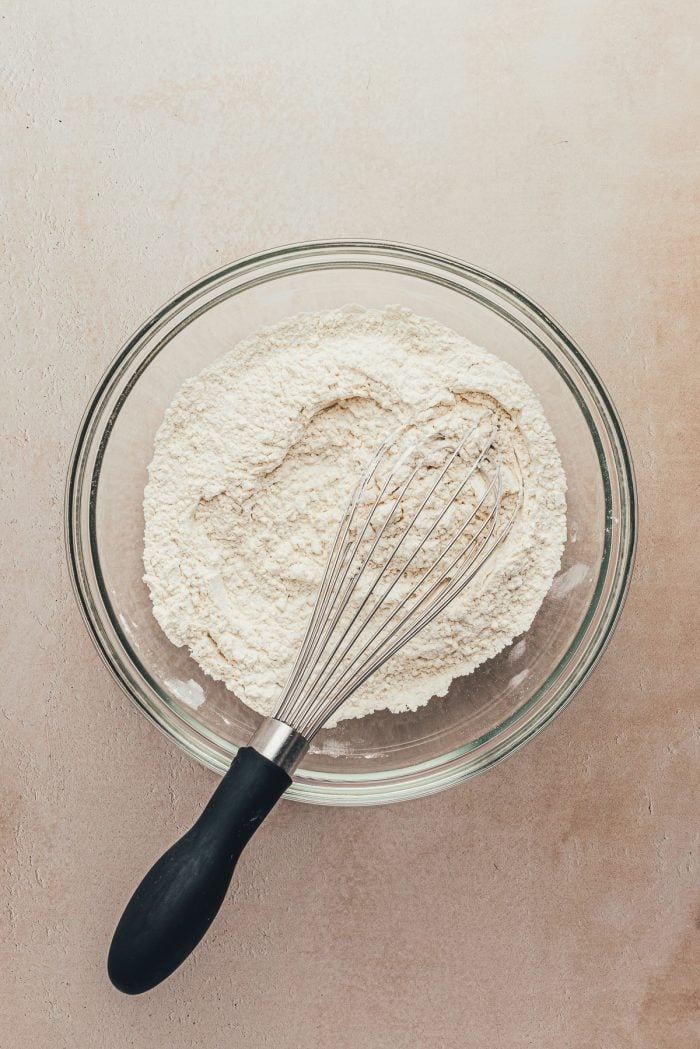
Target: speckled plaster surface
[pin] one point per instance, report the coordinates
(551, 903)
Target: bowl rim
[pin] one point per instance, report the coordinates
(458, 764)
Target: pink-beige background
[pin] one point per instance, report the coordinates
(552, 903)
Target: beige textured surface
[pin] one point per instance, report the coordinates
(552, 902)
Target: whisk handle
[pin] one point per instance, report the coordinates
(180, 896)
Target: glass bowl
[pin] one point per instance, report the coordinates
(484, 717)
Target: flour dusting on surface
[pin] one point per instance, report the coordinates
(253, 465)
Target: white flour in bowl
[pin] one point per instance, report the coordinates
(256, 459)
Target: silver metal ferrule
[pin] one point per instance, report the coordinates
(279, 743)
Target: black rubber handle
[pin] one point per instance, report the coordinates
(180, 896)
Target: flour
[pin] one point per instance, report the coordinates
(255, 460)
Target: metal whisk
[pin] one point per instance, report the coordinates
(426, 516)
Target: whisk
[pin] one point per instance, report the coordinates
(425, 518)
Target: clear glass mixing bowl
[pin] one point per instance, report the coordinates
(484, 717)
